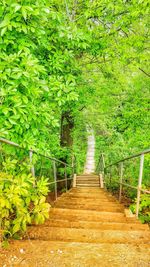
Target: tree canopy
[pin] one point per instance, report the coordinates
(75, 62)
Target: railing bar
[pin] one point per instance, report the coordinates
(10, 143)
(145, 191)
(63, 180)
(131, 157)
(129, 185)
(51, 183)
(125, 184)
(59, 181)
(31, 150)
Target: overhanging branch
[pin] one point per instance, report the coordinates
(147, 74)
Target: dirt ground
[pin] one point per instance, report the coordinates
(61, 254)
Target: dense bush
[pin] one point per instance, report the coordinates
(144, 210)
(22, 202)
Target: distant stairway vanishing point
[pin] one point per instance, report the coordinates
(87, 227)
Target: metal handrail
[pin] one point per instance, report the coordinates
(101, 158)
(2, 140)
(120, 162)
(31, 152)
(130, 157)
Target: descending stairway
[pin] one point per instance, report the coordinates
(87, 227)
(88, 180)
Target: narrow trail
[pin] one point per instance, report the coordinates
(87, 227)
(90, 161)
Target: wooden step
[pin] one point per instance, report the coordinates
(87, 180)
(97, 216)
(84, 235)
(90, 196)
(88, 207)
(87, 185)
(89, 215)
(95, 225)
(83, 201)
(93, 200)
(89, 191)
(87, 177)
(86, 199)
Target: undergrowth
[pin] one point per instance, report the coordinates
(22, 202)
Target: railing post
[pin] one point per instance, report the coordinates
(103, 168)
(110, 176)
(55, 178)
(74, 180)
(101, 180)
(121, 178)
(31, 162)
(103, 160)
(73, 165)
(66, 182)
(139, 184)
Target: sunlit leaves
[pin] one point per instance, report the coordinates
(21, 203)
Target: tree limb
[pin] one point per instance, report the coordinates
(147, 74)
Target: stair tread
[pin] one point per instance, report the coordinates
(87, 200)
(84, 202)
(92, 208)
(78, 211)
(84, 235)
(58, 253)
(95, 225)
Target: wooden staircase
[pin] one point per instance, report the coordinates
(87, 180)
(87, 227)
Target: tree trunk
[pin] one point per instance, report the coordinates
(67, 124)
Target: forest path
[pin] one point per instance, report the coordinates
(87, 227)
(90, 161)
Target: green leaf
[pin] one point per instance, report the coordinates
(17, 7)
(3, 31)
(24, 12)
(12, 121)
(16, 228)
(25, 99)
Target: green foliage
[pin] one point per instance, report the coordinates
(144, 209)
(88, 58)
(51, 53)
(22, 202)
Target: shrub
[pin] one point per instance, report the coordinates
(144, 209)
(22, 202)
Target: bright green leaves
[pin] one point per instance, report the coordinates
(22, 201)
(144, 209)
(31, 66)
(41, 211)
(42, 187)
(50, 57)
